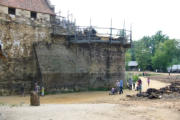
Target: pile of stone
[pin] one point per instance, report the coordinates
(152, 93)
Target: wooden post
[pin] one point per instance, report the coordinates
(34, 99)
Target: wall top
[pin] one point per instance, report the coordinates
(41, 6)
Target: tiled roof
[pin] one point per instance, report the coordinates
(31, 5)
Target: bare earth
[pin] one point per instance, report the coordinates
(92, 106)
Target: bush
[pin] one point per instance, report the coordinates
(135, 78)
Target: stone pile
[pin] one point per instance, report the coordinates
(153, 93)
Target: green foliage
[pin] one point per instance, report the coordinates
(143, 56)
(165, 55)
(155, 52)
(127, 58)
(157, 39)
(128, 75)
(135, 78)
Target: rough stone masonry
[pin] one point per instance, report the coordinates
(34, 54)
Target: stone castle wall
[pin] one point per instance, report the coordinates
(80, 67)
(25, 13)
(17, 35)
(62, 65)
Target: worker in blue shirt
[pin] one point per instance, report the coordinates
(121, 87)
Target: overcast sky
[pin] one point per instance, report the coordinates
(146, 16)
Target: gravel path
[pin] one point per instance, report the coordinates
(86, 112)
(153, 84)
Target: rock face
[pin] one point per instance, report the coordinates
(34, 99)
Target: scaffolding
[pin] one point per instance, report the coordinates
(90, 34)
(62, 26)
(93, 34)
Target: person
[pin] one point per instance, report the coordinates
(112, 91)
(134, 84)
(169, 71)
(130, 82)
(148, 81)
(42, 91)
(121, 87)
(22, 89)
(140, 85)
(37, 88)
(117, 85)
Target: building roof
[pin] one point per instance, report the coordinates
(177, 67)
(41, 6)
(132, 64)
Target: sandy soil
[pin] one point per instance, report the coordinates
(167, 78)
(91, 106)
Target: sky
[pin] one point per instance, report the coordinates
(145, 16)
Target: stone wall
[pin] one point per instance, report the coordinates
(80, 66)
(25, 13)
(17, 35)
(60, 64)
(3, 9)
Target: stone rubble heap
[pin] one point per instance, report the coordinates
(153, 93)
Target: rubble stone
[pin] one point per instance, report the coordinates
(152, 93)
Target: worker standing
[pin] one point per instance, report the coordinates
(121, 87)
(42, 91)
(140, 85)
(148, 81)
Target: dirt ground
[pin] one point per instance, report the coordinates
(92, 106)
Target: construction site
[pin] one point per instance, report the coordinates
(99, 105)
(50, 50)
(76, 66)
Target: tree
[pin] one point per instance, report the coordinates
(144, 49)
(127, 58)
(155, 52)
(143, 56)
(156, 39)
(165, 55)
